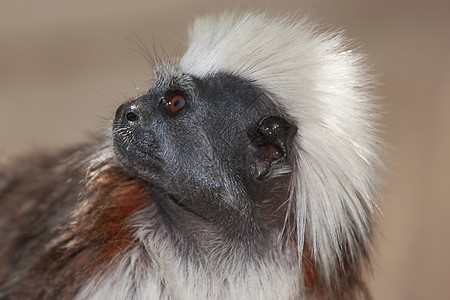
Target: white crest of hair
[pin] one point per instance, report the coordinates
(325, 89)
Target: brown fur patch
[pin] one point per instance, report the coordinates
(116, 197)
(311, 277)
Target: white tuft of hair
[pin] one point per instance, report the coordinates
(325, 89)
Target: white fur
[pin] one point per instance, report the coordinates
(325, 89)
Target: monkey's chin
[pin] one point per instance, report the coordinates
(137, 162)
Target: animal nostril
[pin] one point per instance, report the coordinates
(131, 116)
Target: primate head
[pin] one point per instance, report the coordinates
(263, 123)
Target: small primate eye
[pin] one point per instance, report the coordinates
(176, 103)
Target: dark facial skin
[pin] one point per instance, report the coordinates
(208, 146)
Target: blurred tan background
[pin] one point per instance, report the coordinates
(65, 66)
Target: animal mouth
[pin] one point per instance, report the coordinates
(135, 153)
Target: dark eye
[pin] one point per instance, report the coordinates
(176, 103)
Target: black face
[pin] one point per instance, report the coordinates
(206, 144)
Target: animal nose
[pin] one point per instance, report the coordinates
(131, 115)
(128, 114)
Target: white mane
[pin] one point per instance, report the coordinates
(325, 89)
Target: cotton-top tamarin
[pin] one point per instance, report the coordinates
(248, 171)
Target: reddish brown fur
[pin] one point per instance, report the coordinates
(125, 198)
(115, 198)
(314, 283)
(311, 276)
